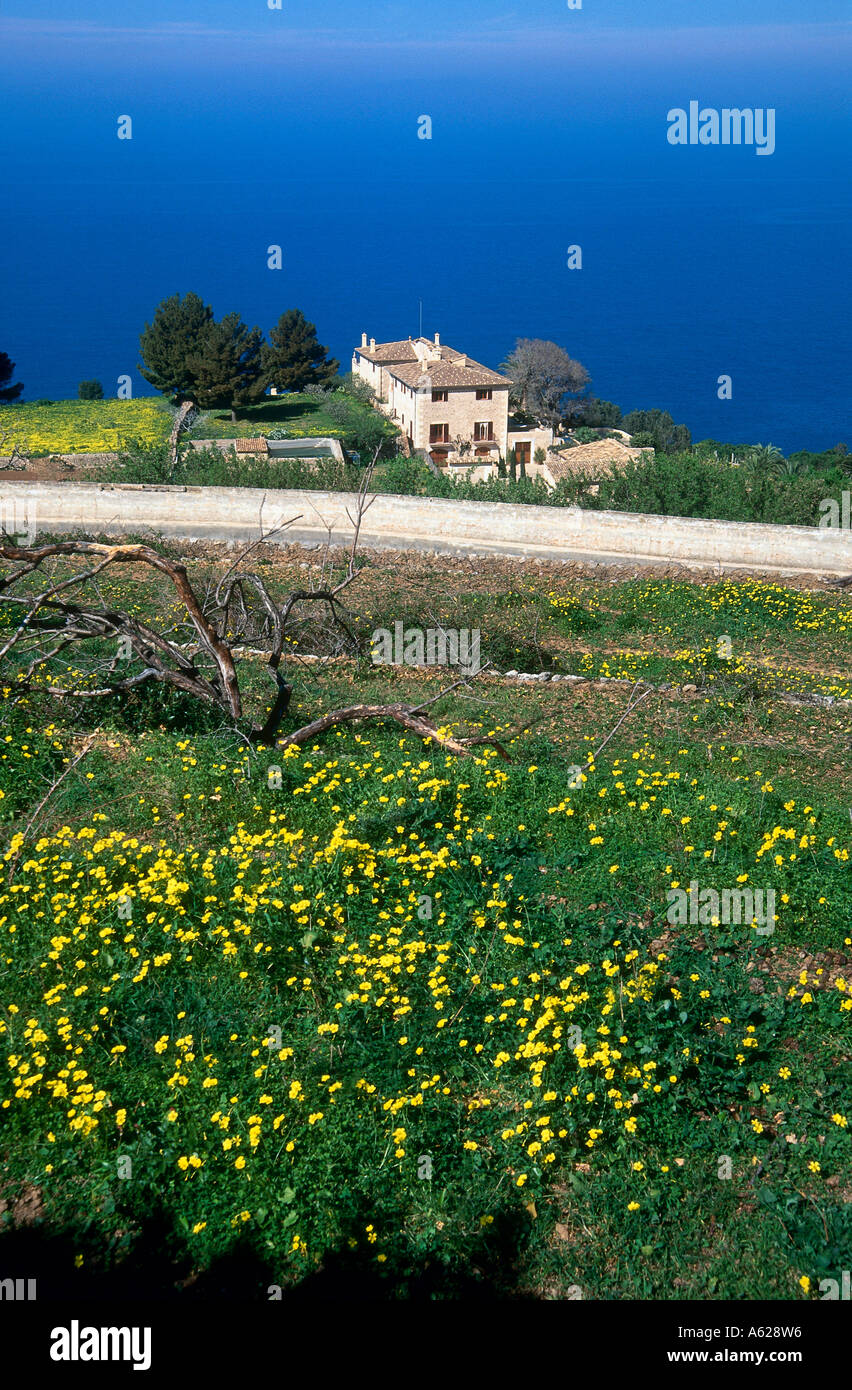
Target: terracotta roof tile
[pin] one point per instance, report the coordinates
(596, 459)
(251, 446)
(449, 373)
(402, 351)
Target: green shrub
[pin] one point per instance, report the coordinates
(665, 434)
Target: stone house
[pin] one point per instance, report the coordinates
(445, 403)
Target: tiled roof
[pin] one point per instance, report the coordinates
(251, 446)
(448, 373)
(389, 352)
(596, 460)
(402, 351)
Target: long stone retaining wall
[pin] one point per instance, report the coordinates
(234, 515)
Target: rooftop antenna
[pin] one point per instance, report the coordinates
(421, 318)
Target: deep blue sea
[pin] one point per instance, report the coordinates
(697, 262)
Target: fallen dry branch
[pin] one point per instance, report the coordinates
(240, 604)
(400, 714)
(73, 622)
(239, 610)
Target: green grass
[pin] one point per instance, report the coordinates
(360, 975)
(296, 413)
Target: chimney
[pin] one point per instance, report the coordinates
(363, 340)
(372, 345)
(437, 340)
(461, 361)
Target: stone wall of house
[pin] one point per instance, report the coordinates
(537, 438)
(371, 372)
(402, 408)
(460, 411)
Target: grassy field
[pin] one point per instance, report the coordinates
(68, 427)
(298, 414)
(365, 1016)
(85, 427)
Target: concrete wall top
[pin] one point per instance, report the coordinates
(441, 524)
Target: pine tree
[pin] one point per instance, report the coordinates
(293, 358)
(167, 344)
(226, 367)
(7, 369)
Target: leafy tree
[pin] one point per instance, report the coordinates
(589, 411)
(668, 438)
(359, 388)
(227, 367)
(171, 340)
(90, 391)
(688, 485)
(544, 379)
(7, 371)
(294, 358)
(830, 460)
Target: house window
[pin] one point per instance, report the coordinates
(484, 395)
(440, 396)
(439, 434)
(483, 430)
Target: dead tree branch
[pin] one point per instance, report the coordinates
(400, 714)
(240, 605)
(77, 622)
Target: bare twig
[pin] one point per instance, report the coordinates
(631, 706)
(34, 817)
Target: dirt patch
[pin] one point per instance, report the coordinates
(823, 968)
(26, 1209)
(56, 468)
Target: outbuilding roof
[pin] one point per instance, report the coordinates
(251, 446)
